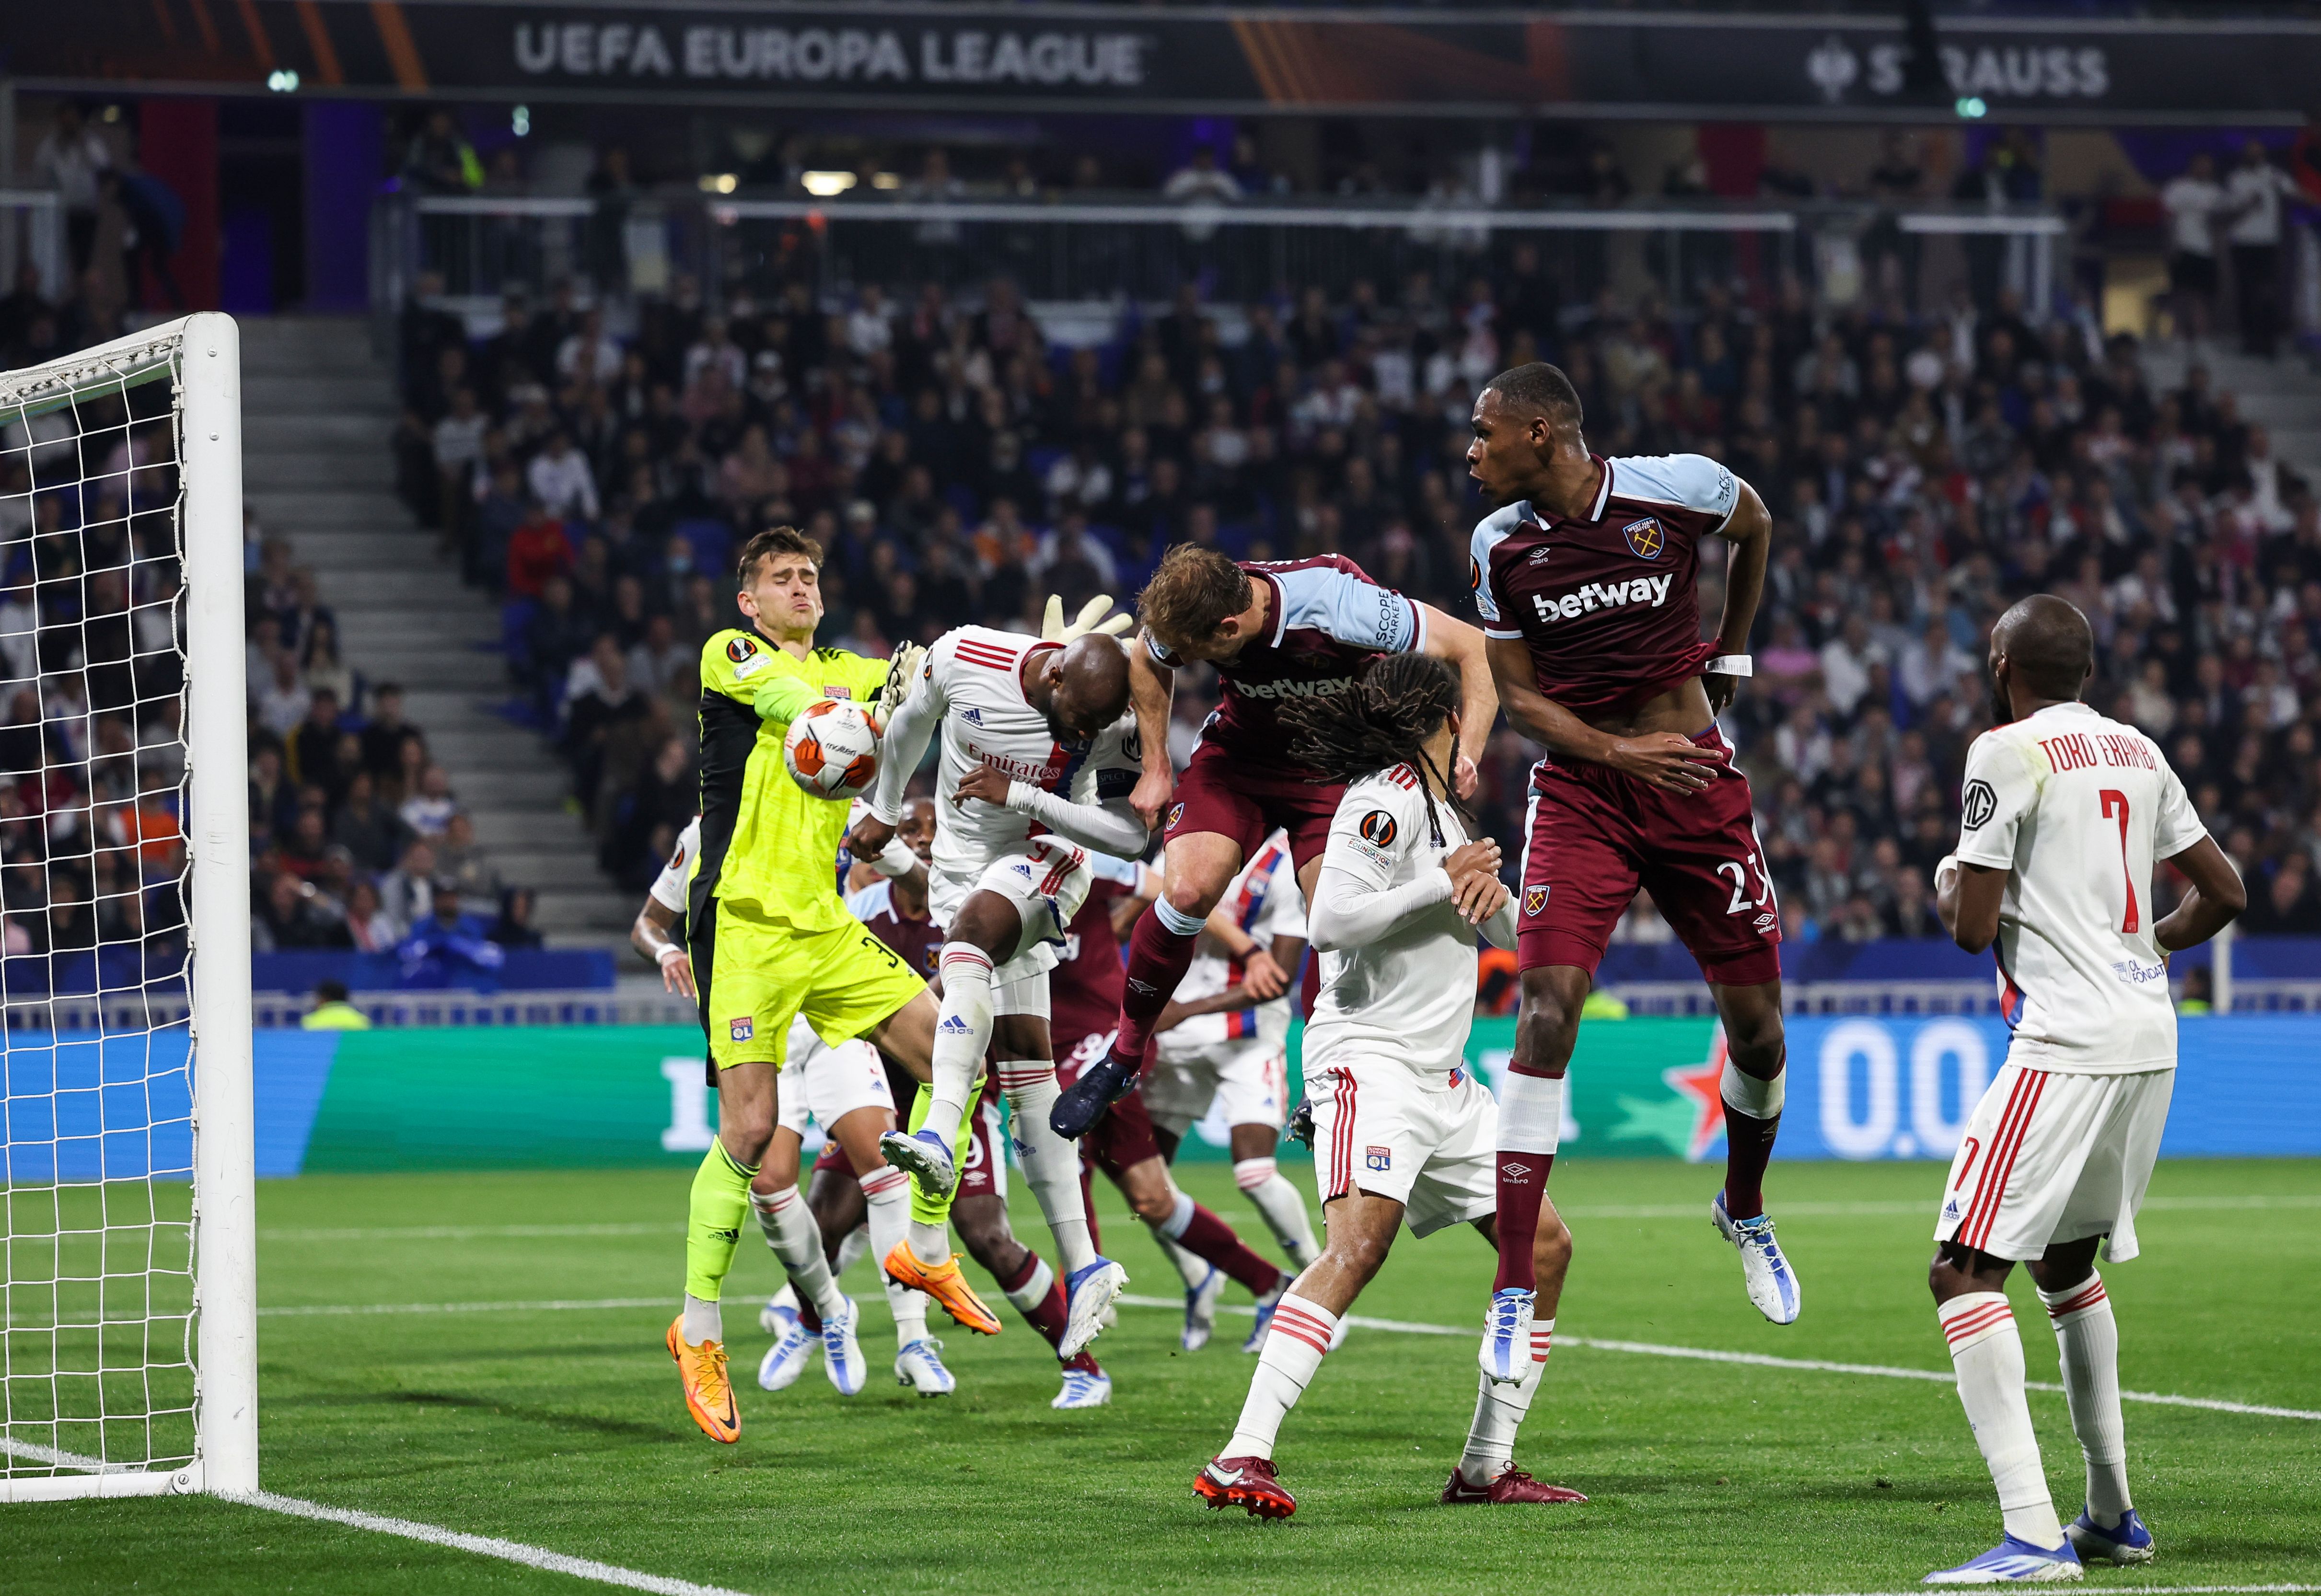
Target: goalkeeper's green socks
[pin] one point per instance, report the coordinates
(721, 1197)
(930, 1215)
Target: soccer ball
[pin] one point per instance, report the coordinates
(831, 750)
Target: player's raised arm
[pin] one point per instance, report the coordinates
(903, 745)
(1461, 646)
(1152, 685)
(1663, 759)
(1749, 530)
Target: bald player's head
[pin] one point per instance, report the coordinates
(1086, 686)
(2042, 651)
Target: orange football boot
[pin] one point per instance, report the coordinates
(945, 1283)
(708, 1390)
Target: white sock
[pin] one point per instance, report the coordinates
(1988, 1354)
(963, 1034)
(930, 1242)
(1281, 1205)
(1530, 1113)
(1194, 1269)
(1051, 1164)
(1035, 1291)
(796, 1240)
(1499, 1412)
(703, 1321)
(1746, 1094)
(1293, 1350)
(857, 1243)
(2088, 1336)
(887, 1196)
(1180, 1216)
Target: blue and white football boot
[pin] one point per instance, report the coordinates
(1506, 1352)
(1084, 1388)
(924, 1154)
(1086, 1294)
(2128, 1541)
(787, 1358)
(1201, 1310)
(841, 1354)
(919, 1364)
(1772, 1284)
(2014, 1561)
(779, 1313)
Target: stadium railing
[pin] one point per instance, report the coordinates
(32, 229)
(1140, 248)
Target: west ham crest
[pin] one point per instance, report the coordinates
(1645, 538)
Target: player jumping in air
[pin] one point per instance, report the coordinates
(1585, 579)
(2064, 813)
(1038, 761)
(1278, 632)
(1402, 1132)
(770, 940)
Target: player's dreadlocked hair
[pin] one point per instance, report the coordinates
(1381, 721)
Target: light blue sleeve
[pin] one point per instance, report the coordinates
(1689, 482)
(1354, 611)
(1489, 533)
(871, 900)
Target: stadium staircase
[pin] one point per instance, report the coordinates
(2282, 396)
(317, 408)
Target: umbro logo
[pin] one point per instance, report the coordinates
(1515, 1171)
(1146, 987)
(1539, 556)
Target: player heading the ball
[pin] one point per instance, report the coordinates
(1587, 580)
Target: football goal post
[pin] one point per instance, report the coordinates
(128, 1312)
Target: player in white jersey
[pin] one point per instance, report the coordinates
(2064, 814)
(1402, 1133)
(843, 1089)
(1039, 757)
(1224, 1039)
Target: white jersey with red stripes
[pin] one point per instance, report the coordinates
(1264, 901)
(974, 681)
(2078, 807)
(1408, 996)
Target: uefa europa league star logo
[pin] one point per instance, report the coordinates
(1833, 67)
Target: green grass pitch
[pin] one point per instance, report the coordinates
(562, 1428)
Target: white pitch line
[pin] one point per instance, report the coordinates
(483, 1546)
(1686, 1211)
(2133, 1591)
(474, 1232)
(1766, 1361)
(551, 1305)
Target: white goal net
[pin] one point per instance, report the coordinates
(127, 1345)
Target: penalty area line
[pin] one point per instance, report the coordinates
(2137, 1591)
(1764, 1360)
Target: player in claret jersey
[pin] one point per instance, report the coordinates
(1276, 631)
(2063, 815)
(1585, 579)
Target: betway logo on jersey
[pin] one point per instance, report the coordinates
(1603, 596)
(1319, 689)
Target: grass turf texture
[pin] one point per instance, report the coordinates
(564, 1430)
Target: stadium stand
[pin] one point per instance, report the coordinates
(957, 464)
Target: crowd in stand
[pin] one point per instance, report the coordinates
(958, 465)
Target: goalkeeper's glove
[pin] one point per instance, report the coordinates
(904, 671)
(1301, 1122)
(1096, 615)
